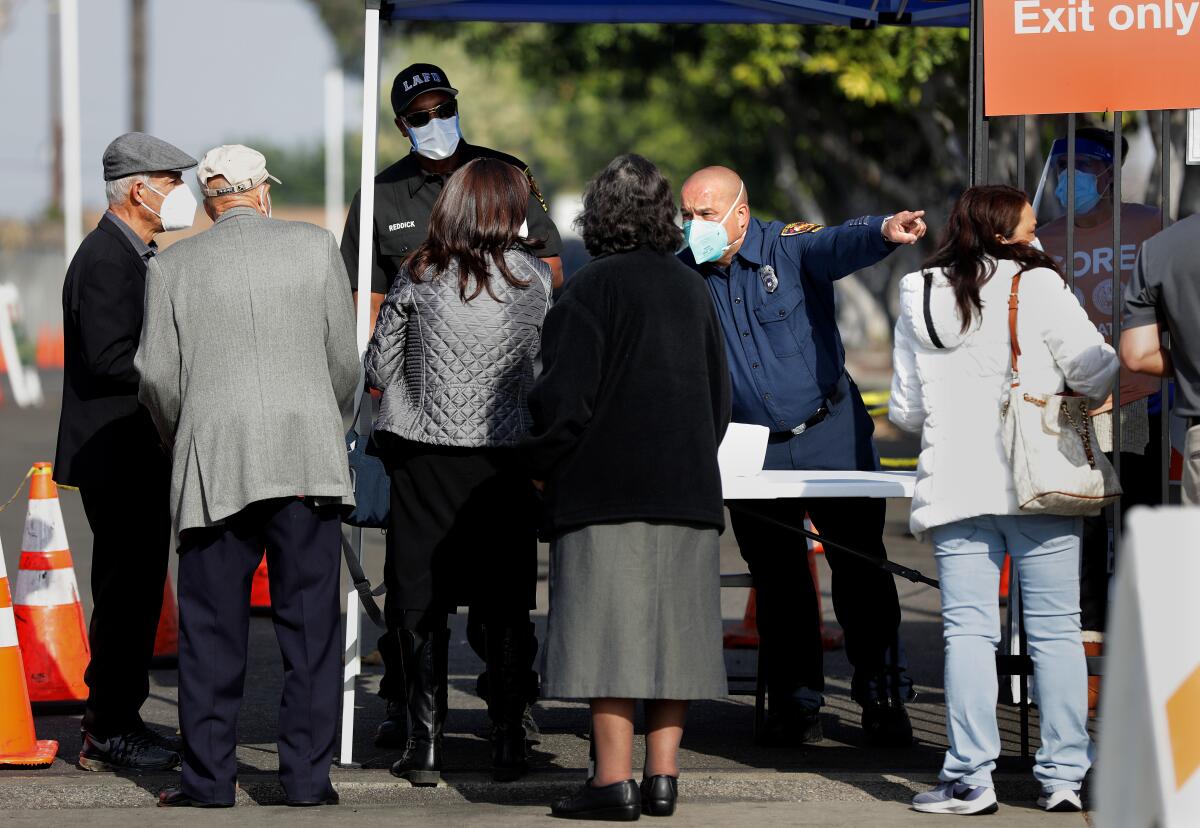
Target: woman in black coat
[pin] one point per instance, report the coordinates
(631, 406)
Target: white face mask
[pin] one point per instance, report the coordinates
(1036, 244)
(438, 139)
(178, 209)
(264, 201)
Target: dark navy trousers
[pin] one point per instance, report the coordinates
(216, 569)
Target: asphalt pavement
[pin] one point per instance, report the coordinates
(727, 779)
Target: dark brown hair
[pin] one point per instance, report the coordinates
(970, 246)
(474, 221)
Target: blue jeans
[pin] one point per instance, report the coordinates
(969, 555)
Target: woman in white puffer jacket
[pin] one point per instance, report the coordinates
(952, 369)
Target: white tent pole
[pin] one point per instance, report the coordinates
(335, 151)
(366, 243)
(72, 196)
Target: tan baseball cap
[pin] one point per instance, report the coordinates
(242, 167)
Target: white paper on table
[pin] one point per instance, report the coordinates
(743, 451)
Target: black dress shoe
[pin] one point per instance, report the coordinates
(619, 802)
(659, 794)
(886, 724)
(176, 798)
(134, 751)
(331, 798)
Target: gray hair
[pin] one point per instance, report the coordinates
(118, 189)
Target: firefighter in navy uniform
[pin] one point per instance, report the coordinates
(426, 108)
(772, 285)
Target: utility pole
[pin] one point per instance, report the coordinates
(137, 65)
(56, 171)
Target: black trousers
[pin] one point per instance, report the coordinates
(864, 597)
(216, 568)
(1141, 480)
(131, 546)
(463, 533)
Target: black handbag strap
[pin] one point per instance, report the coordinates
(366, 595)
(933, 337)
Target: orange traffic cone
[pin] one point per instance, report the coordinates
(830, 639)
(166, 641)
(19, 745)
(260, 590)
(744, 636)
(49, 618)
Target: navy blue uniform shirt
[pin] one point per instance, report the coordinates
(775, 302)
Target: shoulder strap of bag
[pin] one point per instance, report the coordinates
(933, 337)
(1014, 343)
(365, 594)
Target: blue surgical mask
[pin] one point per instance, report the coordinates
(708, 240)
(1087, 193)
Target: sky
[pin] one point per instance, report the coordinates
(256, 68)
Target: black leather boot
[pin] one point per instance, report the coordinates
(506, 670)
(425, 666)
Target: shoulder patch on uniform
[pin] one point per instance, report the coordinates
(533, 188)
(798, 228)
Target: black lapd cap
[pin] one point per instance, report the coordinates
(417, 80)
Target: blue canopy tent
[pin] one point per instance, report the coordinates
(861, 14)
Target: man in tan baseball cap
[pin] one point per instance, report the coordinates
(229, 174)
(247, 365)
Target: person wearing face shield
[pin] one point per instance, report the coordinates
(248, 367)
(108, 448)
(1141, 408)
(773, 287)
(428, 114)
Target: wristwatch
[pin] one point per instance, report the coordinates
(883, 227)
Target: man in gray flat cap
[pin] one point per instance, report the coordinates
(109, 449)
(249, 365)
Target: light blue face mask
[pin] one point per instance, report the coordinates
(1087, 193)
(707, 239)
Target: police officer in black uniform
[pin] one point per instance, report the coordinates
(772, 286)
(426, 108)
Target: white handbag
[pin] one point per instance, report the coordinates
(1057, 464)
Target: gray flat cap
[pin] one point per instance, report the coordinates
(137, 152)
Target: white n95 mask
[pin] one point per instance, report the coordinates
(178, 209)
(438, 139)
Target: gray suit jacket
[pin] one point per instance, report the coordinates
(248, 365)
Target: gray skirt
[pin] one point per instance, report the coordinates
(635, 613)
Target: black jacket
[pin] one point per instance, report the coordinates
(634, 396)
(103, 432)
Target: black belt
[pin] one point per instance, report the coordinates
(818, 417)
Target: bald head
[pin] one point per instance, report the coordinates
(717, 194)
(719, 184)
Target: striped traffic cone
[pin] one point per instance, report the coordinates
(19, 745)
(50, 622)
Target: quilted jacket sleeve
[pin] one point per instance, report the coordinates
(384, 360)
(1088, 363)
(907, 406)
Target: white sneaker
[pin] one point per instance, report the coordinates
(1064, 799)
(956, 798)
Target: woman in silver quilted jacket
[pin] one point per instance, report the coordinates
(453, 353)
